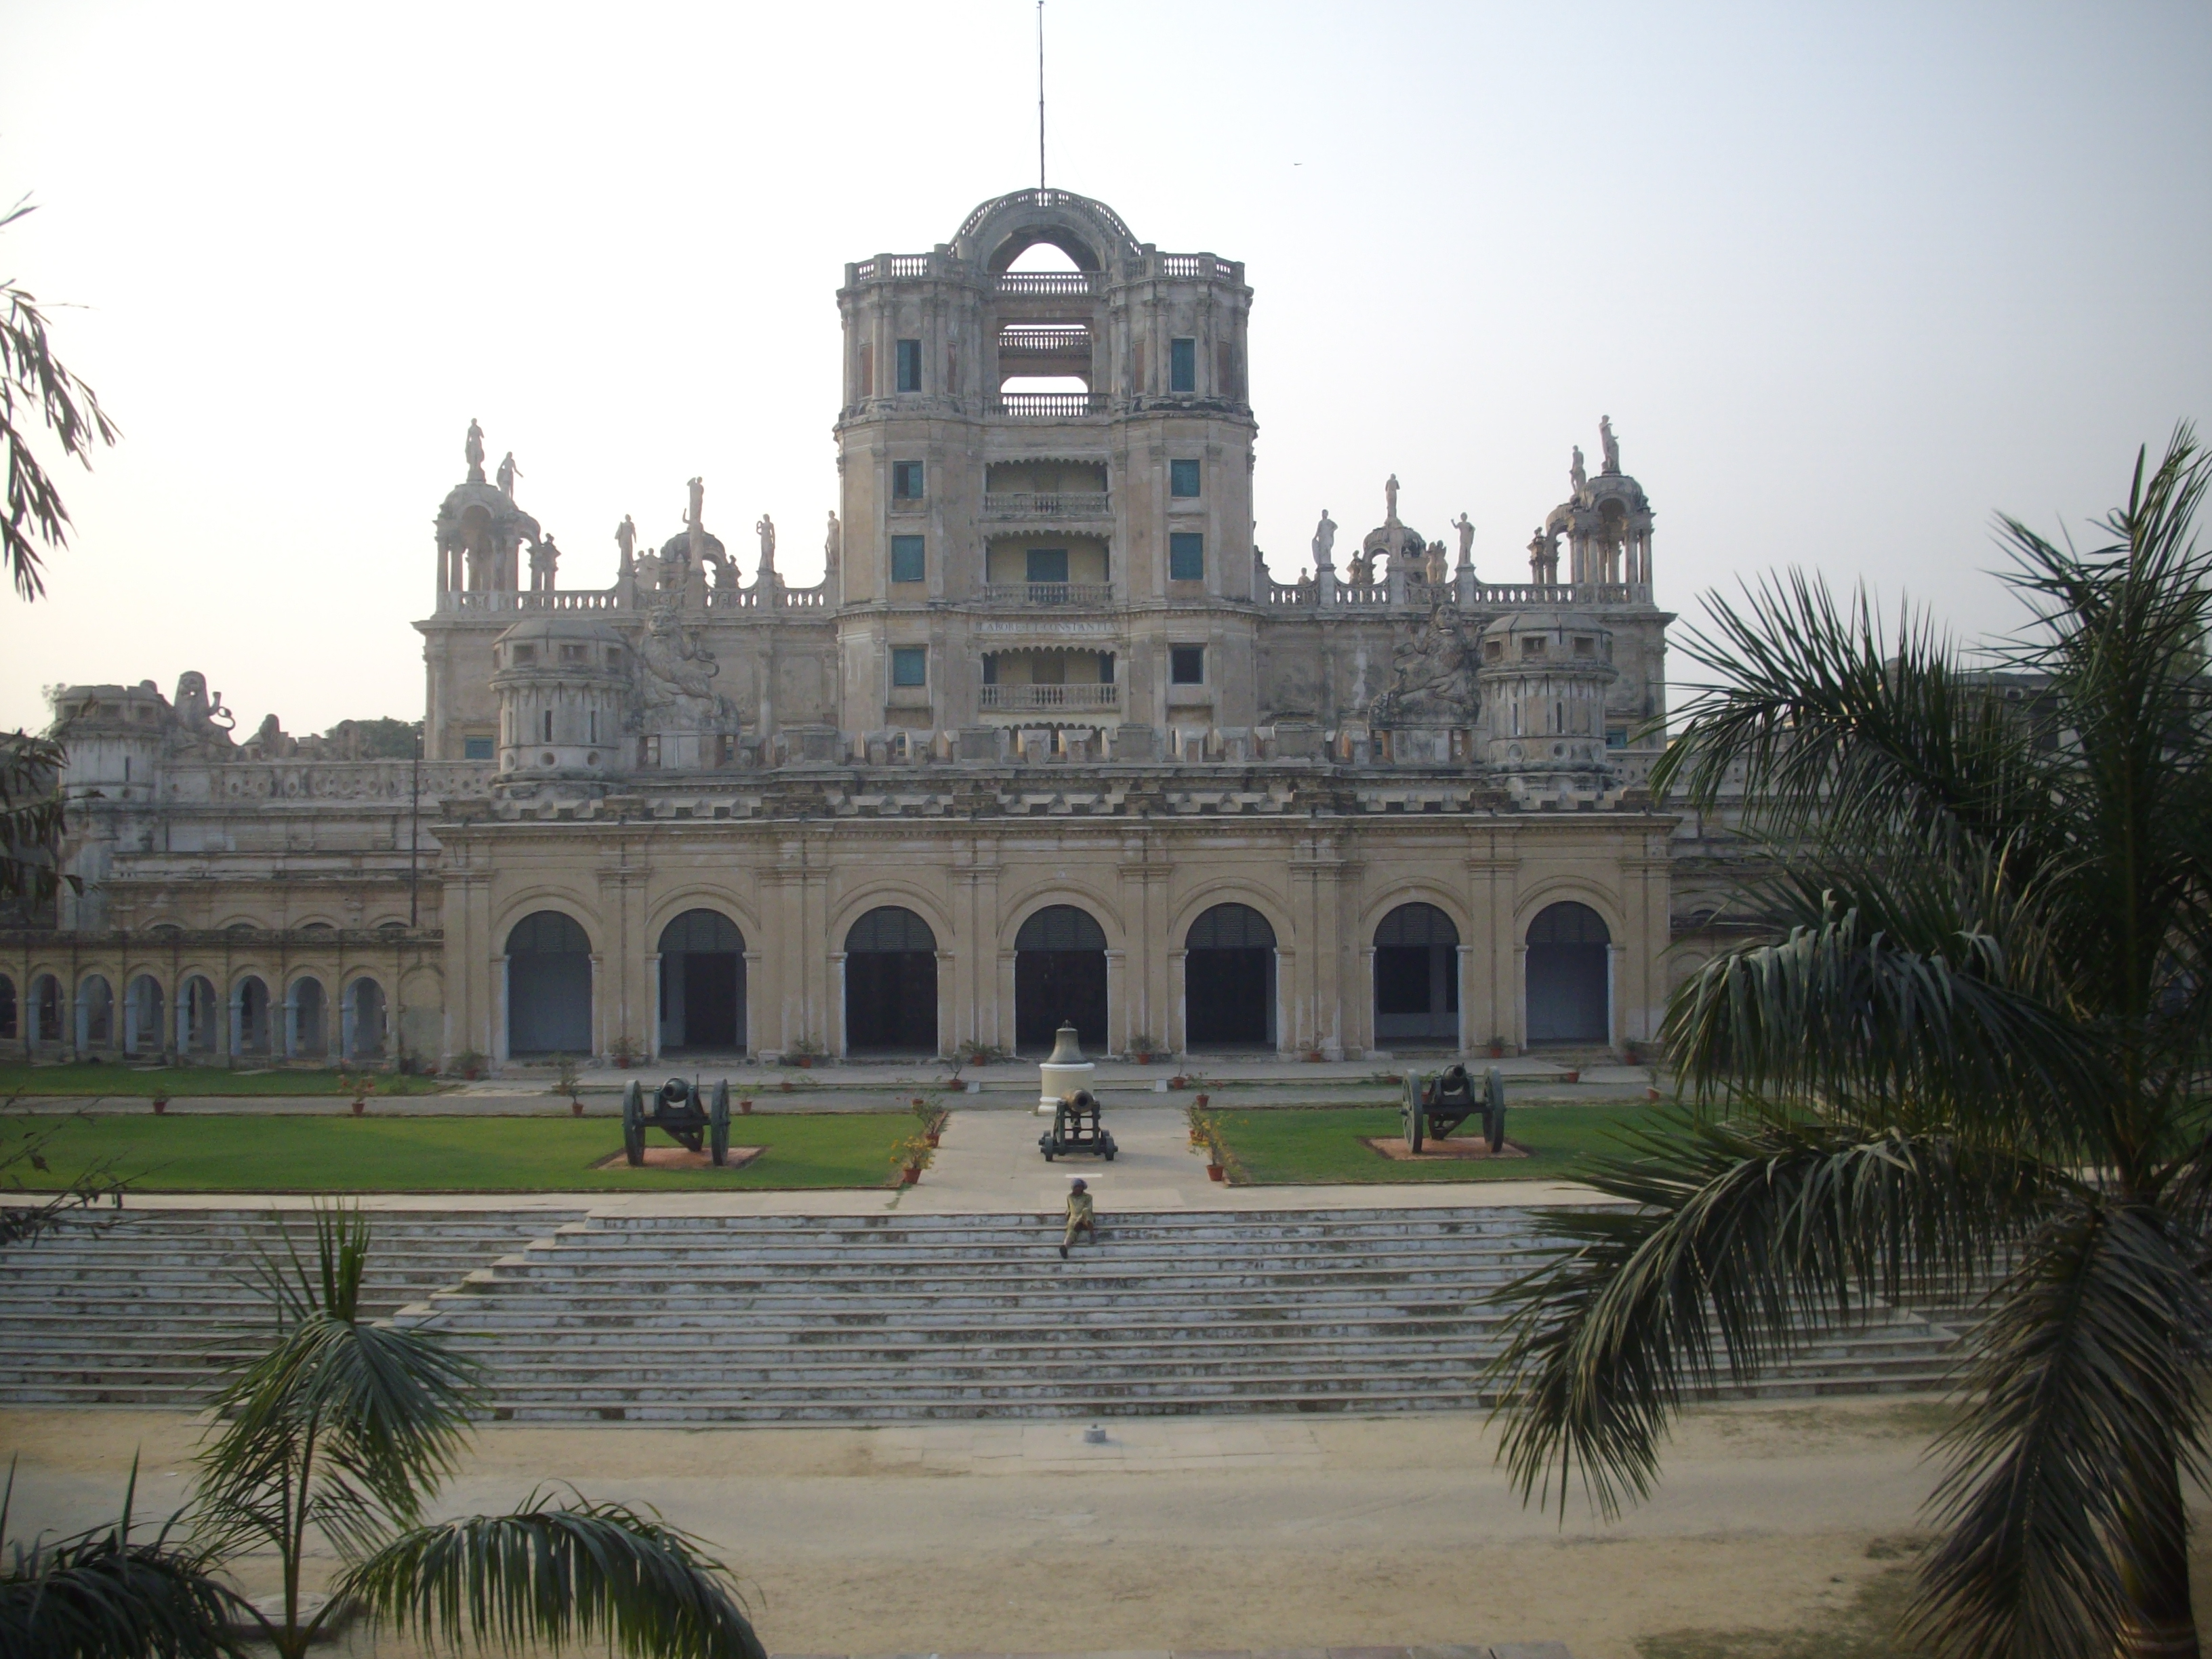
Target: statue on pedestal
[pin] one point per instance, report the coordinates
(833, 546)
(1576, 476)
(1324, 540)
(626, 539)
(766, 530)
(474, 450)
(508, 473)
(1608, 446)
(545, 565)
(1465, 526)
(1390, 500)
(1433, 569)
(695, 520)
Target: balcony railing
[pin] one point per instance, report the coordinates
(1050, 282)
(1049, 593)
(1047, 405)
(1040, 504)
(1050, 696)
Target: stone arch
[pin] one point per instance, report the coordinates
(1060, 977)
(47, 1014)
(144, 1030)
(891, 982)
(702, 982)
(307, 1017)
(1229, 978)
(199, 1015)
(364, 1018)
(1569, 983)
(548, 985)
(95, 1012)
(11, 1013)
(1417, 975)
(249, 1016)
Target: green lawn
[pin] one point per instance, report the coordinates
(1322, 1145)
(340, 1153)
(182, 1082)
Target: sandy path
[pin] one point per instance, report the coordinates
(1192, 1532)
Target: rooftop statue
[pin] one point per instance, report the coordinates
(545, 565)
(1429, 678)
(833, 546)
(766, 530)
(1433, 568)
(202, 720)
(1390, 500)
(1324, 540)
(508, 473)
(695, 520)
(1465, 526)
(626, 539)
(1609, 445)
(1576, 475)
(473, 449)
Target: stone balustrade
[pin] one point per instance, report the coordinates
(1048, 593)
(1010, 697)
(1041, 504)
(1045, 406)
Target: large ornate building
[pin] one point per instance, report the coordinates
(1047, 742)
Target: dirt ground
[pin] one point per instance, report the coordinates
(1777, 1530)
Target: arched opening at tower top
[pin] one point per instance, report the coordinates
(1043, 248)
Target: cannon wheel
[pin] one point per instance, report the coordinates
(1494, 1097)
(634, 1124)
(718, 1124)
(1106, 1145)
(1413, 1114)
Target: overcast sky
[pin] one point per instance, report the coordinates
(1847, 278)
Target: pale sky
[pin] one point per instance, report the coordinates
(1847, 278)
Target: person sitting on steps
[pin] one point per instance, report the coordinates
(1082, 1218)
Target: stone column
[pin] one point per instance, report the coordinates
(1175, 1034)
(1004, 988)
(947, 1000)
(495, 1016)
(653, 983)
(1463, 965)
(750, 1033)
(1118, 1028)
(1287, 962)
(836, 1045)
(1371, 1040)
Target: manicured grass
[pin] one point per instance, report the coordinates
(185, 1082)
(341, 1153)
(1321, 1145)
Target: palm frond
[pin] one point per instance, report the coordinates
(100, 1594)
(553, 1575)
(1743, 1240)
(2062, 1500)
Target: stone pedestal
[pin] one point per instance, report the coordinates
(1064, 1074)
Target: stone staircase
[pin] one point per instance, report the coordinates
(852, 1319)
(146, 1307)
(883, 1319)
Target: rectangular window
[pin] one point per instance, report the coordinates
(1182, 365)
(1187, 665)
(906, 481)
(477, 748)
(1047, 564)
(1182, 479)
(1616, 737)
(909, 365)
(909, 664)
(990, 671)
(908, 564)
(1185, 556)
(1105, 668)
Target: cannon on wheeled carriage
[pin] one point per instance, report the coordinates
(676, 1109)
(1436, 1106)
(1075, 1128)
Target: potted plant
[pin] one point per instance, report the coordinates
(362, 1086)
(161, 1104)
(932, 1117)
(1203, 1098)
(1200, 1121)
(910, 1157)
(1217, 1156)
(1179, 1081)
(1498, 1047)
(469, 1064)
(624, 1052)
(565, 1084)
(804, 1052)
(745, 1107)
(1144, 1047)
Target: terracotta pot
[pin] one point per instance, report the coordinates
(932, 1140)
(1574, 1077)
(745, 1107)
(472, 1074)
(1144, 1059)
(1202, 1099)
(359, 1107)
(807, 1062)
(1498, 1051)
(912, 1175)
(575, 1107)
(160, 1106)
(955, 1084)
(1215, 1172)
(622, 1061)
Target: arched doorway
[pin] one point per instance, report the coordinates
(890, 984)
(702, 984)
(249, 1016)
(362, 1037)
(1417, 976)
(1570, 976)
(142, 1032)
(10, 1025)
(1060, 977)
(45, 1009)
(95, 1012)
(1228, 979)
(307, 1017)
(196, 1016)
(549, 986)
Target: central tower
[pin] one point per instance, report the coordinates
(1073, 561)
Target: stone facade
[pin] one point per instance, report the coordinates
(1049, 741)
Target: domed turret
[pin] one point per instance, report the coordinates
(563, 687)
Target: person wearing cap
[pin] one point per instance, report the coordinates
(1082, 1218)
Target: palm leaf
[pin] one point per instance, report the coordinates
(100, 1595)
(2062, 1500)
(1742, 1242)
(551, 1576)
